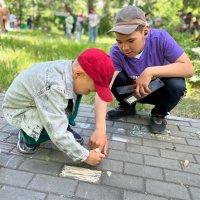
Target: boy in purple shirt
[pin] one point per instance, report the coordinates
(140, 55)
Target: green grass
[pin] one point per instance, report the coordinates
(20, 49)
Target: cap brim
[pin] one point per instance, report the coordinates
(124, 29)
(104, 93)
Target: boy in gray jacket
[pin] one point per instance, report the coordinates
(41, 100)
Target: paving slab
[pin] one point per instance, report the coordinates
(139, 165)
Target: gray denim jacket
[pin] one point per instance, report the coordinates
(38, 98)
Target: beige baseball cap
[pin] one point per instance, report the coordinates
(128, 19)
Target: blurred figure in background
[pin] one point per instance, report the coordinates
(29, 22)
(79, 27)
(69, 20)
(93, 22)
(4, 17)
(148, 19)
(12, 19)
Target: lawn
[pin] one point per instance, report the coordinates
(20, 49)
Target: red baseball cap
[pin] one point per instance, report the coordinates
(99, 67)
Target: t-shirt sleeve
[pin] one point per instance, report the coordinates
(114, 54)
(172, 51)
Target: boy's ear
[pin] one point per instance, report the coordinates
(77, 72)
(146, 31)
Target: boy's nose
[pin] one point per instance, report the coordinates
(125, 47)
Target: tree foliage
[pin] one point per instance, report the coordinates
(43, 11)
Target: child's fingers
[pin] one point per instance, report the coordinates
(102, 156)
(97, 150)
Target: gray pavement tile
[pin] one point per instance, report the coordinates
(162, 162)
(172, 127)
(158, 144)
(126, 139)
(3, 122)
(60, 197)
(169, 138)
(195, 193)
(184, 134)
(82, 119)
(39, 166)
(9, 129)
(167, 189)
(197, 158)
(12, 193)
(182, 178)
(13, 138)
(128, 195)
(86, 109)
(143, 171)
(193, 142)
(111, 129)
(195, 124)
(15, 177)
(189, 149)
(177, 155)
(125, 156)
(50, 184)
(178, 123)
(87, 132)
(10, 161)
(143, 149)
(42, 154)
(127, 182)
(86, 126)
(129, 126)
(141, 121)
(111, 165)
(189, 129)
(86, 114)
(3, 136)
(139, 162)
(97, 192)
(6, 147)
(175, 118)
(87, 106)
(192, 168)
(58, 156)
(116, 145)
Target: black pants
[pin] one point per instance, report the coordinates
(164, 99)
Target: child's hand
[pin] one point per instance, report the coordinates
(95, 157)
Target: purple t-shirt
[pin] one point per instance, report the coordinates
(160, 49)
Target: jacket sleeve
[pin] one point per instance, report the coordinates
(51, 107)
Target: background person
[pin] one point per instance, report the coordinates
(93, 22)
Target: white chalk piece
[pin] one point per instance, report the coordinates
(186, 163)
(109, 173)
(97, 150)
(83, 174)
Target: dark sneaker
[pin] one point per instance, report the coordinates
(121, 111)
(23, 147)
(77, 137)
(158, 124)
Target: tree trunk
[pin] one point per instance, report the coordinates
(131, 2)
(90, 4)
(68, 8)
(34, 11)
